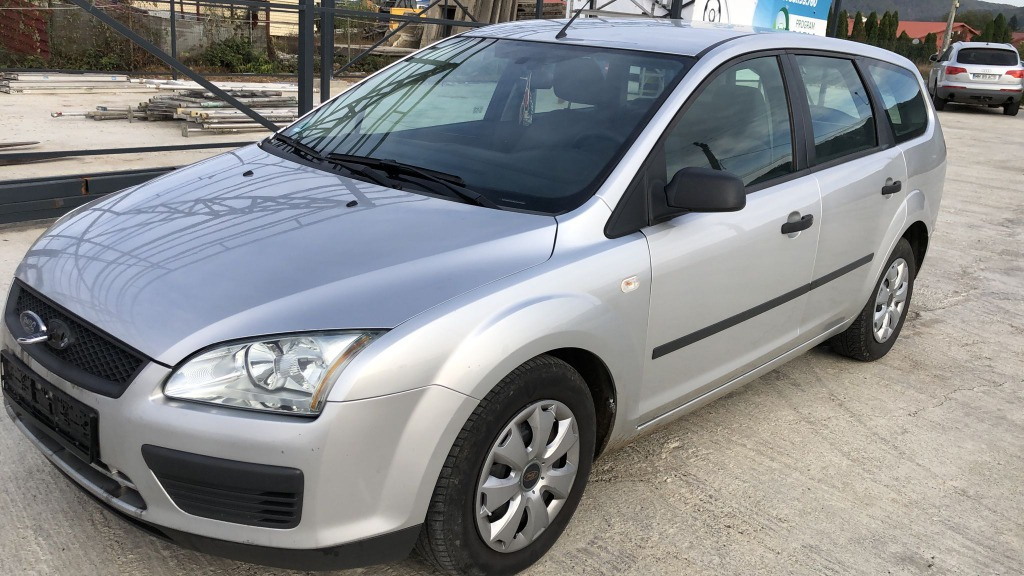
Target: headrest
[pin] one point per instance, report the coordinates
(580, 81)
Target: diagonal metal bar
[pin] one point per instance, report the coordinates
(172, 62)
(386, 37)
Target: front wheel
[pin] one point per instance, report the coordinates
(515, 473)
(876, 328)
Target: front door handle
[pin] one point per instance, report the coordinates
(890, 189)
(798, 226)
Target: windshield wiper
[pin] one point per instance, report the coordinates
(452, 183)
(352, 167)
(294, 143)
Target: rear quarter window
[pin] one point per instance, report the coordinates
(988, 57)
(904, 103)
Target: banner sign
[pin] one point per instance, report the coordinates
(807, 16)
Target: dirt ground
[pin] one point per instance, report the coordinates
(911, 465)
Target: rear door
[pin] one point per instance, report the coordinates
(728, 289)
(862, 176)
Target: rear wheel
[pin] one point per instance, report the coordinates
(876, 328)
(1012, 108)
(515, 474)
(940, 103)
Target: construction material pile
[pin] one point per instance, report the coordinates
(204, 112)
(59, 83)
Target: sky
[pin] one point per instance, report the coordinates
(1014, 2)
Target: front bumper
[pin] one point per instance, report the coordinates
(966, 93)
(368, 466)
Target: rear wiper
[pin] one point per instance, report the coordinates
(452, 183)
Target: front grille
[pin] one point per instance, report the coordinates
(93, 360)
(228, 490)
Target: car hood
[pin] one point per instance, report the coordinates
(211, 253)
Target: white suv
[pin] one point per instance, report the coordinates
(979, 73)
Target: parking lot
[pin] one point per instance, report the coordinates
(911, 465)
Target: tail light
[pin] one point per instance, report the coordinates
(953, 70)
(1016, 73)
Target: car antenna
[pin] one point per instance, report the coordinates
(561, 33)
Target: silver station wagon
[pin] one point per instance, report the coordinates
(413, 318)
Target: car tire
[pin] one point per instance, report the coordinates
(940, 103)
(453, 537)
(1012, 109)
(876, 328)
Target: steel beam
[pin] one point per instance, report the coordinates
(305, 56)
(175, 63)
(11, 158)
(42, 198)
(326, 48)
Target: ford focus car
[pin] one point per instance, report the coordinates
(415, 316)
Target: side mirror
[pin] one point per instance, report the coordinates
(934, 57)
(705, 190)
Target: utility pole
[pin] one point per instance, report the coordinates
(949, 26)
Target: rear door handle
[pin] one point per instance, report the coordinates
(893, 188)
(799, 226)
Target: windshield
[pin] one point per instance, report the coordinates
(528, 125)
(988, 57)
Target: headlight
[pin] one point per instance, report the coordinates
(290, 374)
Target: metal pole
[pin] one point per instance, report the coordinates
(676, 11)
(306, 56)
(174, 42)
(326, 49)
(949, 26)
(540, 10)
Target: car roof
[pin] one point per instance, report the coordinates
(680, 37)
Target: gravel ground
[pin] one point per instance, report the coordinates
(910, 465)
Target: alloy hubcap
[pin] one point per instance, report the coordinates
(527, 476)
(891, 300)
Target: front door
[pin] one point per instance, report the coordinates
(728, 290)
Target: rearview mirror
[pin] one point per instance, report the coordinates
(705, 190)
(934, 57)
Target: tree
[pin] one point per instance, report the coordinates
(858, 28)
(830, 25)
(928, 46)
(1000, 29)
(1014, 23)
(905, 46)
(843, 30)
(871, 29)
(895, 23)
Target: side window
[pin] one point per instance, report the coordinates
(738, 123)
(840, 109)
(946, 55)
(904, 103)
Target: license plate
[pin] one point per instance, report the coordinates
(986, 76)
(34, 400)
